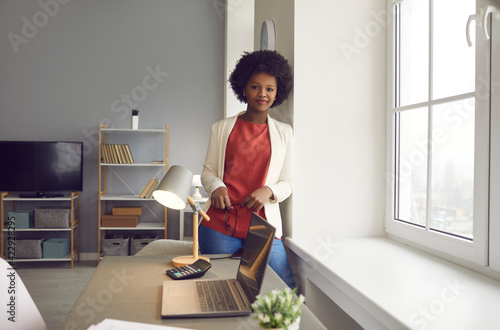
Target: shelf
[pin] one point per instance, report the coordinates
(125, 198)
(140, 226)
(34, 199)
(149, 152)
(66, 258)
(130, 130)
(73, 229)
(134, 164)
(42, 229)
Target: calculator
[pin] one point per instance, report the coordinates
(196, 269)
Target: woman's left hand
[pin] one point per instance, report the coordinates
(258, 198)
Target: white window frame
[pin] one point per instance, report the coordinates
(494, 247)
(469, 253)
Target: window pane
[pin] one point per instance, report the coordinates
(412, 178)
(453, 60)
(452, 185)
(414, 52)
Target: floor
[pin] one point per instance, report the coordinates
(54, 286)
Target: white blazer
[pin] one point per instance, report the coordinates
(279, 175)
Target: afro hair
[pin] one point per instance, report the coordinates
(268, 61)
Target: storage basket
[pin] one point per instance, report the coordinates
(139, 241)
(29, 248)
(53, 217)
(115, 245)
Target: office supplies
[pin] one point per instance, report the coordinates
(233, 297)
(197, 269)
(112, 324)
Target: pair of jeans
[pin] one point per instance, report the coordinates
(213, 242)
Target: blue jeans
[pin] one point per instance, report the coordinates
(213, 242)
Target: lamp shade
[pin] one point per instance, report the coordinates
(174, 188)
(196, 181)
(196, 184)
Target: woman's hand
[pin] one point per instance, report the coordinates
(258, 198)
(220, 199)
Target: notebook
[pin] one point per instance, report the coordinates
(233, 297)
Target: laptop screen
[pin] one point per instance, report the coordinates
(255, 256)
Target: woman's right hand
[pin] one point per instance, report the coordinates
(220, 199)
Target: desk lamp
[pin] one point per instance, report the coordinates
(172, 192)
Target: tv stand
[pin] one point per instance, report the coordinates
(8, 230)
(40, 195)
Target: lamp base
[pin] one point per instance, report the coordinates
(197, 196)
(186, 260)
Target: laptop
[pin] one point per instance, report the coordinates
(224, 297)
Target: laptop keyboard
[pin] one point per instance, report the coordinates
(215, 295)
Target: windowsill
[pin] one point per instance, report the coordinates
(381, 283)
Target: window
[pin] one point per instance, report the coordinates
(440, 128)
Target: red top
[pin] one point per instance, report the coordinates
(248, 153)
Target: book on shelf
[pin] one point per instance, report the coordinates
(129, 154)
(147, 191)
(116, 154)
(121, 152)
(146, 188)
(155, 185)
(104, 153)
(109, 155)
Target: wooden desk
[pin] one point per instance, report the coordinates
(130, 289)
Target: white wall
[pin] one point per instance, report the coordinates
(239, 19)
(281, 13)
(243, 23)
(79, 57)
(339, 121)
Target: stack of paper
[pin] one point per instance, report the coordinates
(110, 324)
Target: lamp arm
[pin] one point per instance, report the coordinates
(196, 208)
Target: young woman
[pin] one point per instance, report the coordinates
(248, 167)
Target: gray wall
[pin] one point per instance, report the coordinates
(66, 67)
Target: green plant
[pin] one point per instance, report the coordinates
(278, 309)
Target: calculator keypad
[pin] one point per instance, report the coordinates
(184, 272)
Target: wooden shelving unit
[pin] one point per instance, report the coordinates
(74, 229)
(106, 194)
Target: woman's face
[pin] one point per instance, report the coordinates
(260, 91)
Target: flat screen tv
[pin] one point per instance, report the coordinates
(41, 168)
